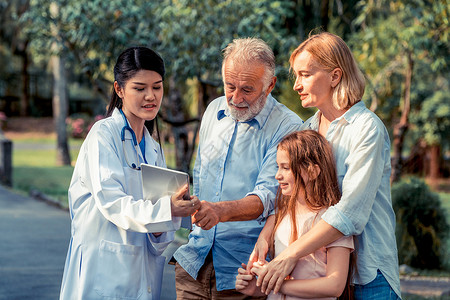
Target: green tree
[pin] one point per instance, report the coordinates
(93, 33)
(193, 34)
(11, 33)
(60, 90)
(397, 38)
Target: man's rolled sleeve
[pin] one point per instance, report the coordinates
(267, 198)
(266, 184)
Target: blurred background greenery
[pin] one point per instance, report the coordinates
(56, 60)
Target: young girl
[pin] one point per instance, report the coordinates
(117, 236)
(307, 187)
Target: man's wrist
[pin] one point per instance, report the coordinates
(219, 208)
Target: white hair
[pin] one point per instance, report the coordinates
(251, 50)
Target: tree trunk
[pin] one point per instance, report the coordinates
(416, 162)
(324, 18)
(175, 116)
(60, 97)
(401, 128)
(434, 165)
(25, 97)
(60, 110)
(207, 91)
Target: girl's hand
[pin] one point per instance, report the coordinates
(181, 207)
(262, 244)
(258, 267)
(272, 275)
(246, 283)
(259, 253)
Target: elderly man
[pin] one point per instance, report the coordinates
(234, 173)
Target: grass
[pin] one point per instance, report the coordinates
(52, 181)
(34, 165)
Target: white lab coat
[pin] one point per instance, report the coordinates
(111, 254)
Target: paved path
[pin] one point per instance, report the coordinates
(34, 237)
(33, 242)
(428, 287)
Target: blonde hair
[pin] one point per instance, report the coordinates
(331, 52)
(251, 50)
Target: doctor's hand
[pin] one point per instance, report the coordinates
(207, 216)
(181, 207)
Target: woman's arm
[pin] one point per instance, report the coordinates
(331, 285)
(273, 275)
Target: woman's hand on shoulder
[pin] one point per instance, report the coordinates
(181, 207)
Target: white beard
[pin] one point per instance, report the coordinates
(252, 110)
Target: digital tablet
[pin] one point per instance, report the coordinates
(158, 182)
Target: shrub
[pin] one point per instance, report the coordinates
(78, 125)
(422, 227)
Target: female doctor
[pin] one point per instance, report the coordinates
(117, 237)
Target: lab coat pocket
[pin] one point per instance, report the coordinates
(119, 271)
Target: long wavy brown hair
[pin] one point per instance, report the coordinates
(307, 149)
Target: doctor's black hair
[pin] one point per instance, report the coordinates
(129, 62)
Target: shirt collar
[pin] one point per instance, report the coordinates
(117, 116)
(349, 116)
(260, 119)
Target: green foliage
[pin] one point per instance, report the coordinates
(290, 98)
(392, 30)
(432, 120)
(92, 33)
(193, 33)
(422, 227)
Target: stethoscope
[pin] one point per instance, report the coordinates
(135, 143)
